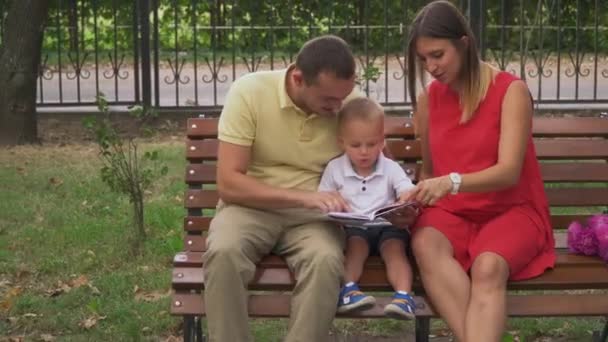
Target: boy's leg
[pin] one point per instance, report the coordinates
(392, 246)
(357, 251)
(238, 238)
(314, 252)
(398, 268)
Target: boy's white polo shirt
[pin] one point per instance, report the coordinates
(365, 194)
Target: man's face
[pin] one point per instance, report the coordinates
(325, 96)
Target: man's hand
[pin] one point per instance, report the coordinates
(325, 201)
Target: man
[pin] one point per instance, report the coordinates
(277, 131)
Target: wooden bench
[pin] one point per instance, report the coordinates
(574, 154)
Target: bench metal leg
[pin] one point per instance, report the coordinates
(423, 329)
(604, 335)
(193, 329)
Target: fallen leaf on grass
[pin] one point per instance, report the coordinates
(30, 315)
(80, 281)
(22, 272)
(47, 338)
(55, 181)
(72, 284)
(94, 290)
(149, 296)
(91, 322)
(60, 289)
(7, 302)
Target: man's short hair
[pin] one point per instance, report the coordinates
(327, 53)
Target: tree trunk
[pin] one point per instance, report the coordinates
(19, 63)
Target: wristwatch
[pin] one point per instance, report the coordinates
(456, 181)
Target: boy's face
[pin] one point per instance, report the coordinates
(362, 141)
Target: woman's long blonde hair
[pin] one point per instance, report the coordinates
(442, 20)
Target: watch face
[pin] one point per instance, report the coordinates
(455, 177)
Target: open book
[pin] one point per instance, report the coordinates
(376, 218)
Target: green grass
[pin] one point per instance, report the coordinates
(59, 222)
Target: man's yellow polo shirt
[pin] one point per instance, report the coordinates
(289, 148)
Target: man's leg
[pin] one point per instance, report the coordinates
(238, 238)
(314, 253)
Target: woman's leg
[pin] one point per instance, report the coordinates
(357, 251)
(503, 247)
(444, 280)
(489, 275)
(398, 268)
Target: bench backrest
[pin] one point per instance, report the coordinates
(573, 154)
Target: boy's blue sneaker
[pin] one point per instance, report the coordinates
(401, 307)
(351, 299)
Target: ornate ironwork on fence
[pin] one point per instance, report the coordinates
(185, 53)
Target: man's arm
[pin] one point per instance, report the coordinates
(235, 186)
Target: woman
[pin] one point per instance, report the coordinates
(486, 219)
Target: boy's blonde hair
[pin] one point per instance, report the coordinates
(361, 108)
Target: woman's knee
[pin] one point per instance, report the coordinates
(490, 270)
(429, 244)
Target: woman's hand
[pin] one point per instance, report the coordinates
(404, 217)
(431, 190)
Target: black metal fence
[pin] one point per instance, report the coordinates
(185, 53)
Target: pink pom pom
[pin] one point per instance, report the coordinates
(582, 240)
(599, 224)
(575, 230)
(588, 244)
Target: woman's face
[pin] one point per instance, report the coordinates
(440, 58)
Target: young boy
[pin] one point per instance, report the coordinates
(368, 181)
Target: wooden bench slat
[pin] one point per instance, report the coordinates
(561, 197)
(277, 305)
(571, 149)
(197, 224)
(558, 149)
(197, 174)
(196, 242)
(574, 172)
(579, 197)
(542, 127)
(195, 259)
(570, 127)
